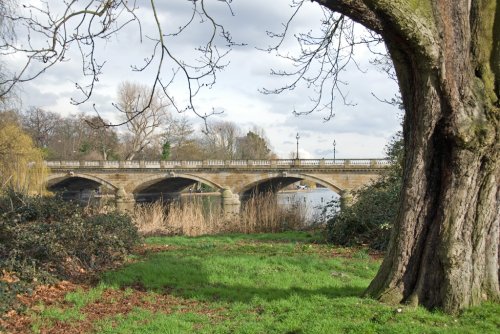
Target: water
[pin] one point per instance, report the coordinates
(314, 199)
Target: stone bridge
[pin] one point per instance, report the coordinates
(129, 181)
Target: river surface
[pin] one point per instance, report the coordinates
(313, 199)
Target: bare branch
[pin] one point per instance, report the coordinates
(51, 30)
(321, 59)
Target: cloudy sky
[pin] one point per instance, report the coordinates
(360, 130)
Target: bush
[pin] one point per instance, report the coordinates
(368, 221)
(46, 239)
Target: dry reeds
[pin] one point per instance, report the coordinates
(259, 214)
(262, 213)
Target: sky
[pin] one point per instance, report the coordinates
(360, 129)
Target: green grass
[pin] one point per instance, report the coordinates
(269, 283)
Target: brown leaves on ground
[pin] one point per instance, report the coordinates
(112, 302)
(8, 277)
(13, 322)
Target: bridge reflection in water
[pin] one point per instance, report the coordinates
(128, 182)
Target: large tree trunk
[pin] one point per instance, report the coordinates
(444, 246)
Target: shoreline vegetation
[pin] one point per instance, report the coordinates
(194, 217)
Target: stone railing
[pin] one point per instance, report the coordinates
(305, 163)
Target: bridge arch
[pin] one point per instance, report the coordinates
(58, 178)
(280, 180)
(153, 187)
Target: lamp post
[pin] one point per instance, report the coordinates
(334, 144)
(297, 137)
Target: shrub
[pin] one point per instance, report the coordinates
(368, 221)
(44, 239)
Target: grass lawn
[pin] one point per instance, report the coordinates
(269, 283)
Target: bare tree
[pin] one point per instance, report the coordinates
(446, 54)
(321, 58)
(221, 140)
(444, 247)
(142, 126)
(192, 149)
(6, 30)
(6, 26)
(40, 125)
(67, 138)
(178, 132)
(101, 139)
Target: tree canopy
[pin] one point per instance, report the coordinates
(21, 163)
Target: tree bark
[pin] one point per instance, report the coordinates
(444, 247)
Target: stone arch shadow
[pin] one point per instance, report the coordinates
(75, 185)
(163, 186)
(282, 180)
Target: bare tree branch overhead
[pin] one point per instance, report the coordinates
(47, 31)
(321, 59)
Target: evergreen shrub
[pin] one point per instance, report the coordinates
(369, 218)
(45, 239)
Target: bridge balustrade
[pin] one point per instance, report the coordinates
(215, 162)
(111, 164)
(152, 164)
(241, 163)
(260, 162)
(336, 162)
(285, 162)
(310, 162)
(382, 162)
(360, 162)
(133, 164)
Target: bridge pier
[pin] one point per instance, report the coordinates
(124, 202)
(346, 199)
(230, 202)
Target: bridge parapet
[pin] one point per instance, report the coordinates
(278, 163)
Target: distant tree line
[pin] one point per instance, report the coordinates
(154, 134)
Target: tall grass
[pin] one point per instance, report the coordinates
(260, 214)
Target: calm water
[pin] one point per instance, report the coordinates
(314, 199)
